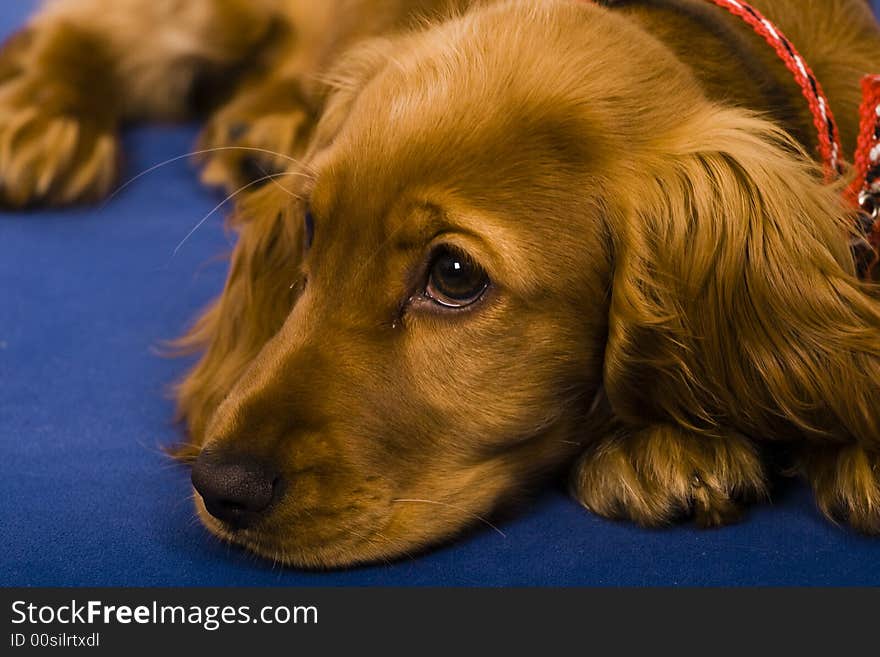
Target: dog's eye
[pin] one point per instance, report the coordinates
(454, 279)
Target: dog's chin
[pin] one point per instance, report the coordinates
(348, 549)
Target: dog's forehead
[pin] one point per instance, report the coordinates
(523, 247)
(413, 161)
(376, 214)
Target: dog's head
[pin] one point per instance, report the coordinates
(440, 315)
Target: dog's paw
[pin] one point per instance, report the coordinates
(656, 475)
(53, 151)
(49, 155)
(846, 482)
(53, 160)
(255, 137)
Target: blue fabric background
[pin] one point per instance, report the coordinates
(88, 499)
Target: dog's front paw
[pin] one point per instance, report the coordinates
(656, 475)
(255, 137)
(846, 482)
(50, 159)
(54, 149)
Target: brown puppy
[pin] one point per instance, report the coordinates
(518, 236)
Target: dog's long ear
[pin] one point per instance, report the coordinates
(264, 282)
(734, 300)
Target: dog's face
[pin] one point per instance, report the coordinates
(447, 340)
(508, 242)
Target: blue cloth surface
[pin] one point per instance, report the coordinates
(89, 499)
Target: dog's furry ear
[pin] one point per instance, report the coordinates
(264, 281)
(734, 299)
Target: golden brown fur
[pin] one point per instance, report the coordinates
(670, 279)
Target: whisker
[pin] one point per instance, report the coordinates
(229, 198)
(186, 499)
(205, 151)
(409, 555)
(368, 539)
(457, 508)
(167, 461)
(279, 185)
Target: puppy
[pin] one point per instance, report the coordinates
(495, 241)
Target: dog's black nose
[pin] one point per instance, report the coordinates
(236, 491)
